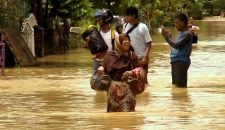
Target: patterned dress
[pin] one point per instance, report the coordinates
(121, 95)
(120, 98)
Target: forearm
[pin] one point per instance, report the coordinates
(171, 42)
(147, 49)
(179, 43)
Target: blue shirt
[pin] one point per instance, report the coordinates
(182, 47)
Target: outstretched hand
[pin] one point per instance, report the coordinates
(126, 74)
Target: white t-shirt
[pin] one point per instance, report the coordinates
(139, 37)
(108, 38)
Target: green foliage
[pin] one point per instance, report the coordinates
(219, 5)
(12, 13)
(75, 9)
(196, 10)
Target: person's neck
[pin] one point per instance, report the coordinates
(105, 28)
(133, 22)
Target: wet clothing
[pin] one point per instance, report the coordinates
(179, 73)
(96, 64)
(181, 49)
(97, 60)
(120, 98)
(180, 57)
(120, 95)
(145, 67)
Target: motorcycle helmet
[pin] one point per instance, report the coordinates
(105, 14)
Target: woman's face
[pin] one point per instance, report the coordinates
(126, 44)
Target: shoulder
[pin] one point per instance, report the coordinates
(187, 33)
(126, 25)
(142, 25)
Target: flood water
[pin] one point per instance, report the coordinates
(56, 95)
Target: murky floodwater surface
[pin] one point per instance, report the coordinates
(56, 95)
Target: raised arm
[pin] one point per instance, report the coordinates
(179, 43)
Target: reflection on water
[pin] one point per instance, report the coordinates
(57, 95)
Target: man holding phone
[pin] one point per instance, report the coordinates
(181, 50)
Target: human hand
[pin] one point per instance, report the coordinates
(144, 61)
(165, 32)
(87, 40)
(100, 71)
(126, 74)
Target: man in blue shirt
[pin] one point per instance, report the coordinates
(181, 50)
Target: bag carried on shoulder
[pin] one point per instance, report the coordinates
(97, 43)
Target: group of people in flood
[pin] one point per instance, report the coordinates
(120, 66)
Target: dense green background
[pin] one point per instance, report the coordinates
(49, 12)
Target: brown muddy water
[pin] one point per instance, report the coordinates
(56, 95)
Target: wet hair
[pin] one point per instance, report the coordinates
(182, 17)
(132, 11)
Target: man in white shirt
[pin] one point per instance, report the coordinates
(140, 37)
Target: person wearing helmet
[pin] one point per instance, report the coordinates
(103, 18)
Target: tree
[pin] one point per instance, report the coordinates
(58, 13)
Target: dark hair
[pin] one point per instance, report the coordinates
(182, 17)
(132, 11)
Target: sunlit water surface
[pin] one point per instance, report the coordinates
(56, 95)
